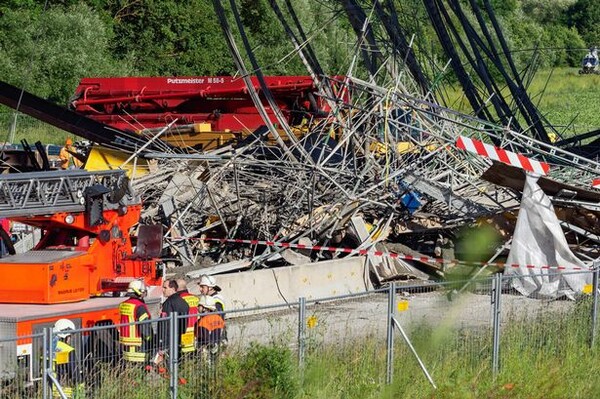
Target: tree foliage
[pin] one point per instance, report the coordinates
(584, 15)
(47, 47)
(170, 37)
(48, 52)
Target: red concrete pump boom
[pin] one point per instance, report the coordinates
(212, 104)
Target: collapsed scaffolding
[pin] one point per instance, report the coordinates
(385, 154)
(379, 167)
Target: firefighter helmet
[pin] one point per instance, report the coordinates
(208, 302)
(68, 142)
(137, 287)
(209, 281)
(63, 327)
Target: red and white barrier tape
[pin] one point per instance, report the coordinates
(596, 183)
(499, 154)
(426, 259)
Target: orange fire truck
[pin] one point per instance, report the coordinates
(83, 262)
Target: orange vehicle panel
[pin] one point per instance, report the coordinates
(46, 277)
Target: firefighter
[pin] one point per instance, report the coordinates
(210, 328)
(188, 339)
(208, 286)
(65, 155)
(64, 364)
(135, 339)
(67, 160)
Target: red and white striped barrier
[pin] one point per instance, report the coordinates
(426, 259)
(596, 183)
(498, 154)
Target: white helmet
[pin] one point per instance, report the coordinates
(63, 327)
(208, 302)
(137, 287)
(209, 281)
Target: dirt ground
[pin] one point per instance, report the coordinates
(366, 315)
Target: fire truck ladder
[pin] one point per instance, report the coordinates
(42, 193)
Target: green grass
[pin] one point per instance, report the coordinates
(30, 129)
(569, 101)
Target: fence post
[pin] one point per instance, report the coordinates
(390, 332)
(496, 302)
(596, 270)
(173, 353)
(301, 331)
(45, 357)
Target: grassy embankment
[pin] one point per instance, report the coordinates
(547, 357)
(565, 98)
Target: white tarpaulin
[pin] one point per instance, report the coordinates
(538, 240)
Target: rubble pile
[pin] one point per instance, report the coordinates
(384, 156)
(377, 164)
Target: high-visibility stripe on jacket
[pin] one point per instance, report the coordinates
(193, 301)
(62, 353)
(131, 311)
(188, 338)
(129, 333)
(220, 304)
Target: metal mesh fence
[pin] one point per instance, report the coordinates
(15, 373)
(449, 326)
(349, 330)
(535, 328)
(439, 330)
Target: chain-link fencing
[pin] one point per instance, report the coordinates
(401, 333)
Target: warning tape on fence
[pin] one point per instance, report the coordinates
(501, 155)
(426, 259)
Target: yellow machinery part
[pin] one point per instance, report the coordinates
(101, 158)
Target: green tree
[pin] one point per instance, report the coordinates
(547, 11)
(585, 16)
(48, 52)
(270, 44)
(170, 37)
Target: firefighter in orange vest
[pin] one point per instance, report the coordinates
(210, 328)
(188, 338)
(66, 157)
(135, 339)
(208, 286)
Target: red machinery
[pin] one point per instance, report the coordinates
(222, 101)
(202, 104)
